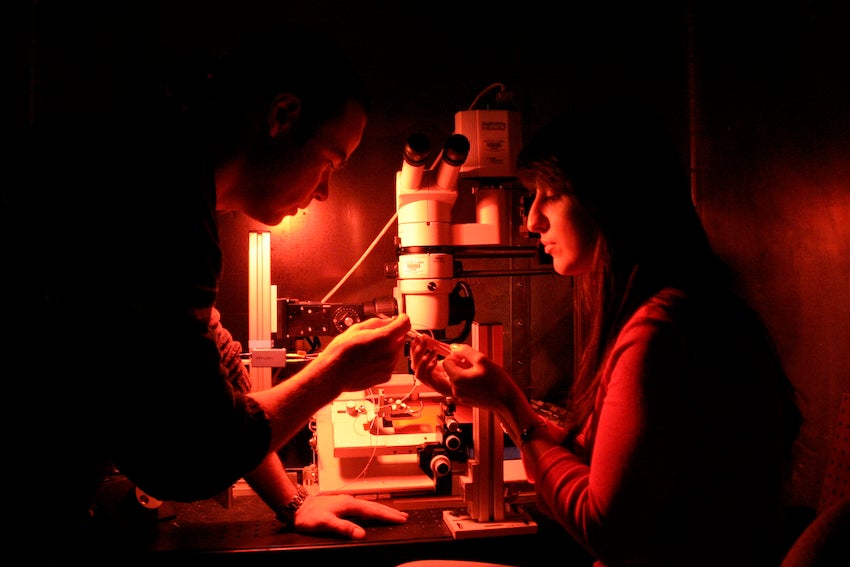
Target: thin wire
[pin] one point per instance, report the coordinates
(376, 411)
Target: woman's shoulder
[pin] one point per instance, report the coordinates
(696, 313)
(704, 316)
(668, 298)
(659, 322)
(667, 304)
(678, 302)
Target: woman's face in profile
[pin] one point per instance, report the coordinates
(567, 231)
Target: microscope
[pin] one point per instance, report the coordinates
(482, 151)
(401, 439)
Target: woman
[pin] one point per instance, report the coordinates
(677, 443)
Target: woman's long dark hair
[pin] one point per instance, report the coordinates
(624, 169)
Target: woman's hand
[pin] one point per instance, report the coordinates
(427, 367)
(466, 374)
(477, 380)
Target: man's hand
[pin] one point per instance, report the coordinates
(327, 513)
(366, 353)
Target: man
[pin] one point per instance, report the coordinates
(121, 360)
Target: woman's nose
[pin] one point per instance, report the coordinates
(535, 222)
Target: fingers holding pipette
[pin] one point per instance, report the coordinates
(427, 366)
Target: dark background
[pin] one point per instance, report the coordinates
(756, 94)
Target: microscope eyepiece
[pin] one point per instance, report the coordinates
(456, 149)
(417, 149)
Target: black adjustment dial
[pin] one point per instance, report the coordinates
(344, 317)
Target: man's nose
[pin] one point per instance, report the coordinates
(322, 191)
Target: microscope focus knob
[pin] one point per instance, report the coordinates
(441, 465)
(452, 442)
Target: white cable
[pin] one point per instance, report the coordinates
(485, 91)
(362, 257)
(395, 215)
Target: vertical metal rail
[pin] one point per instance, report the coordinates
(487, 504)
(260, 302)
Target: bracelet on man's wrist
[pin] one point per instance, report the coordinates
(286, 514)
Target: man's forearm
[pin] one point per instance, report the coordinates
(271, 483)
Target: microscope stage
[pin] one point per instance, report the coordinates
(357, 432)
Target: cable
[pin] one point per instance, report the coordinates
(380, 235)
(500, 86)
(477, 98)
(373, 430)
(362, 257)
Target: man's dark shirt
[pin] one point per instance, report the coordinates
(111, 265)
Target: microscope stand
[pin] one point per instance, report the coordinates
(483, 485)
(463, 526)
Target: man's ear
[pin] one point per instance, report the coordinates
(285, 109)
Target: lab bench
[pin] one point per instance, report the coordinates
(243, 531)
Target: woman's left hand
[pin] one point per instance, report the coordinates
(427, 367)
(466, 374)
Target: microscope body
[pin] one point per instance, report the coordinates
(427, 236)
